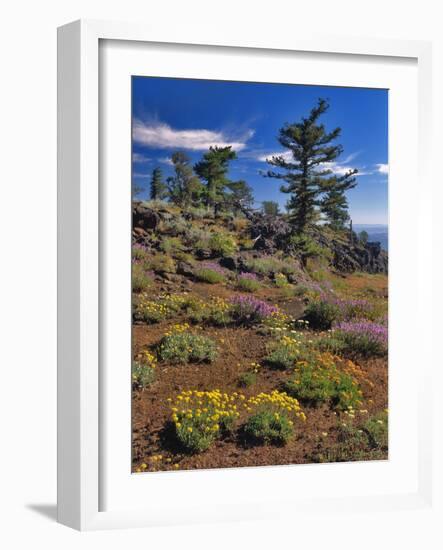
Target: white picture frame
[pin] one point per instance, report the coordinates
(80, 261)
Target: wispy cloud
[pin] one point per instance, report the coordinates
(162, 136)
(139, 175)
(165, 160)
(139, 158)
(382, 168)
(338, 168)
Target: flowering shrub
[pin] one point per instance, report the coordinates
(222, 244)
(284, 353)
(210, 272)
(247, 309)
(280, 280)
(180, 346)
(159, 309)
(143, 370)
(272, 422)
(362, 337)
(201, 417)
(141, 280)
(323, 377)
(216, 311)
(248, 282)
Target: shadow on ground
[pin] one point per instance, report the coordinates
(48, 511)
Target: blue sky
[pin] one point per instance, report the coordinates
(190, 115)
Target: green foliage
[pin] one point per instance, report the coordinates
(270, 208)
(184, 187)
(247, 379)
(269, 427)
(305, 174)
(215, 312)
(270, 265)
(213, 169)
(185, 347)
(210, 276)
(280, 280)
(321, 314)
(161, 263)
(222, 244)
(354, 442)
(143, 374)
(315, 383)
(240, 195)
(171, 245)
(247, 285)
(141, 281)
(358, 344)
(158, 187)
(306, 247)
(377, 430)
(282, 356)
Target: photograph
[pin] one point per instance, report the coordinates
(260, 260)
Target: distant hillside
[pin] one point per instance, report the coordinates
(376, 232)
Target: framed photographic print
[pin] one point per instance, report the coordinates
(238, 234)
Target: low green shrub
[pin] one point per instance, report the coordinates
(143, 373)
(185, 347)
(321, 314)
(222, 244)
(161, 263)
(319, 380)
(247, 379)
(268, 427)
(248, 282)
(282, 356)
(141, 280)
(207, 275)
(171, 245)
(377, 430)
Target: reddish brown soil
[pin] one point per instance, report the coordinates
(238, 347)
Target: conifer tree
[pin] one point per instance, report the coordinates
(305, 172)
(270, 208)
(184, 187)
(334, 204)
(213, 169)
(240, 195)
(158, 187)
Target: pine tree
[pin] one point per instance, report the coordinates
(158, 187)
(213, 169)
(334, 204)
(184, 187)
(305, 173)
(270, 208)
(240, 195)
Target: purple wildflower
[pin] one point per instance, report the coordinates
(252, 309)
(367, 329)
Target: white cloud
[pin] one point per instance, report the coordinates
(139, 158)
(383, 168)
(138, 175)
(162, 136)
(338, 168)
(287, 156)
(165, 160)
